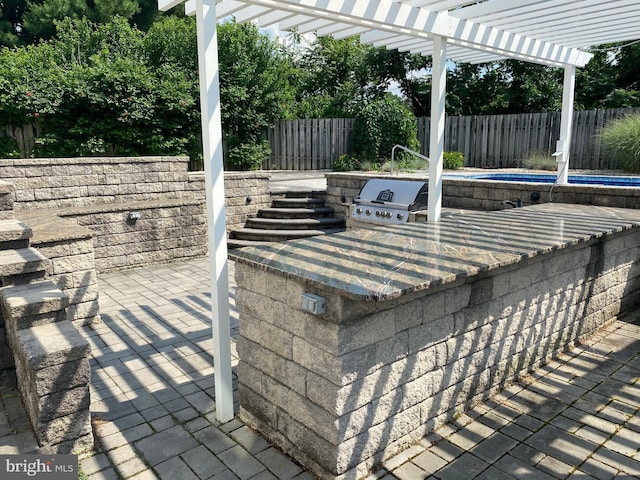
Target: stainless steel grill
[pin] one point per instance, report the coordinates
(383, 201)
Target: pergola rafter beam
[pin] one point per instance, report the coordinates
(347, 32)
(400, 18)
(554, 17)
(273, 18)
(440, 5)
(312, 26)
(591, 24)
(249, 15)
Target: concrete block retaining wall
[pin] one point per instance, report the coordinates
(475, 194)
(53, 183)
(100, 193)
(343, 391)
(245, 194)
(166, 230)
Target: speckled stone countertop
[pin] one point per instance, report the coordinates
(390, 261)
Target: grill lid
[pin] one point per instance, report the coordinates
(401, 194)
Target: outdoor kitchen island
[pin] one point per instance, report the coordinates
(421, 321)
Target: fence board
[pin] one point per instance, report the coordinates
(486, 141)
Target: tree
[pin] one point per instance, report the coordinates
(92, 91)
(332, 78)
(254, 86)
(380, 125)
(611, 79)
(25, 22)
(338, 77)
(507, 86)
(406, 70)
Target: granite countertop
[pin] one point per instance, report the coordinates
(390, 261)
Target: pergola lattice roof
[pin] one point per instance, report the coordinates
(550, 32)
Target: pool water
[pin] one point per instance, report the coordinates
(615, 181)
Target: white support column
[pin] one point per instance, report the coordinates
(216, 215)
(436, 129)
(566, 123)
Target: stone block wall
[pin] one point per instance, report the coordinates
(55, 183)
(344, 391)
(475, 194)
(53, 372)
(100, 193)
(166, 230)
(489, 194)
(245, 194)
(71, 261)
(342, 188)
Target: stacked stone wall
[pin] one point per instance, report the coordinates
(344, 391)
(68, 182)
(72, 269)
(166, 230)
(102, 193)
(474, 194)
(245, 194)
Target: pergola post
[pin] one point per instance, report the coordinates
(216, 214)
(436, 129)
(566, 123)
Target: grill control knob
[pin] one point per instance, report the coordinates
(358, 211)
(399, 216)
(367, 212)
(378, 213)
(388, 215)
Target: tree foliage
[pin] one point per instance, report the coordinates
(111, 89)
(25, 22)
(92, 91)
(337, 77)
(611, 79)
(254, 84)
(380, 125)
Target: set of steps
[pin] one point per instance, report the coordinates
(50, 356)
(298, 214)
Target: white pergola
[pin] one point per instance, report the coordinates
(547, 32)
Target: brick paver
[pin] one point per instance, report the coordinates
(154, 411)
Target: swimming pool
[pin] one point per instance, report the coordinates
(614, 181)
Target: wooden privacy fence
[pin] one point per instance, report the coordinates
(488, 141)
(308, 144)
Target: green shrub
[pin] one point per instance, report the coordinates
(346, 163)
(248, 156)
(621, 140)
(382, 124)
(452, 160)
(8, 147)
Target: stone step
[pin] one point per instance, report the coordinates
(31, 304)
(21, 265)
(233, 243)
(294, 223)
(296, 212)
(305, 193)
(14, 234)
(278, 235)
(306, 202)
